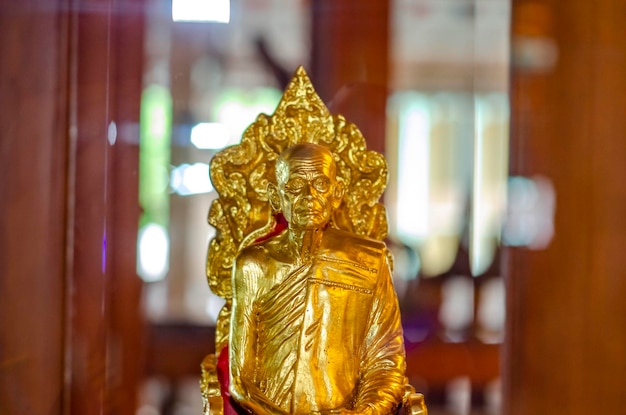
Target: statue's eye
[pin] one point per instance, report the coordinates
(295, 184)
(321, 184)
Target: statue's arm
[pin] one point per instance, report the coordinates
(382, 379)
(242, 338)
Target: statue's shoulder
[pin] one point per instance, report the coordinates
(262, 252)
(252, 255)
(350, 247)
(340, 239)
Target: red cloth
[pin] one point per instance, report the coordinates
(281, 225)
(230, 407)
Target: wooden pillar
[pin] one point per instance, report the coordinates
(566, 328)
(350, 62)
(70, 332)
(104, 335)
(126, 330)
(87, 285)
(32, 206)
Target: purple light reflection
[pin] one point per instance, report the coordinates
(104, 251)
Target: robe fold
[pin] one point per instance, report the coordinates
(320, 337)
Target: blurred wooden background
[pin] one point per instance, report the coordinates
(72, 337)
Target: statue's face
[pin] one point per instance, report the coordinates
(308, 188)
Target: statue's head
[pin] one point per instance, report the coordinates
(307, 189)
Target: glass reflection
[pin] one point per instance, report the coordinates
(446, 144)
(201, 11)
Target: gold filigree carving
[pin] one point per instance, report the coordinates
(241, 173)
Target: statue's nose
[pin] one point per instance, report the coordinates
(308, 191)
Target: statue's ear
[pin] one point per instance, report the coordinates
(273, 197)
(338, 193)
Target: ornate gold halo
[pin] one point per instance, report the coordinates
(240, 175)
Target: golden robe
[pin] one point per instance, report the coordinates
(323, 336)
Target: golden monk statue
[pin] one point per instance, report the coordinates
(315, 324)
(311, 324)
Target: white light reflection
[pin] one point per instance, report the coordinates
(459, 395)
(191, 179)
(214, 304)
(210, 135)
(237, 109)
(112, 133)
(491, 311)
(431, 176)
(490, 175)
(238, 116)
(413, 175)
(530, 213)
(457, 306)
(154, 247)
(217, 11)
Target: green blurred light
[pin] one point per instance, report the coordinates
(155, 127)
